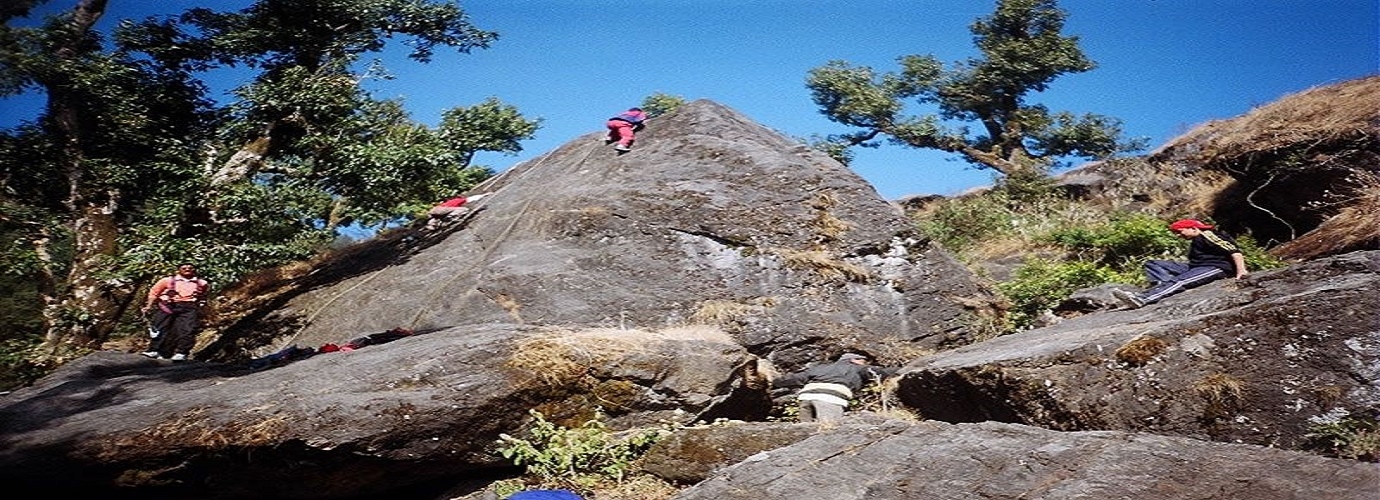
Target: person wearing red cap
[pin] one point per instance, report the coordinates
(1211, 256)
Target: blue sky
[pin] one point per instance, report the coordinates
(1165, 66)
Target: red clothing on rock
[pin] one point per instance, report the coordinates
(458, 201)
(622, 127)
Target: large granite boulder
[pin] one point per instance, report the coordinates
(383, 418)
(711, 219)
(1258, 360)
(900, 460)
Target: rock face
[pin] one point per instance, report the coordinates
(641, 286)
(633, 284)
(711, 219)
(1256, 361)
(377, 420)
(905, 461)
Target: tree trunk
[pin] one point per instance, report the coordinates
(82, 319)
(244, 163)
(81, 315)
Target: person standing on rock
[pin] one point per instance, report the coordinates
(828, 389)
(623, 128)
(1211, 256)
(174, 305)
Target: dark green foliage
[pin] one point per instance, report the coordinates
(133, 156)
(660, 103)
(1122, 242)
(1022, 51)
(1041, 284)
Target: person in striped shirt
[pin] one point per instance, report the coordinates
(1211, 256)
(828, 389)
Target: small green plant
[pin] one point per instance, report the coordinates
(963, 223)
(660, 103)
(1256, 258)
(1041, 284)
(580, 458)
(1123, 242)
(1353, 436)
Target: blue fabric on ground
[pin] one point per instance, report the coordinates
(544, 495)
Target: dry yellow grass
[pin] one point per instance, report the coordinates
(1198, 197)
(1141, 350)
(1328, 113)
(830, 227)
(510, 304)
(195, 429)
(1219, 389)
(559, 357)
(824, 263)
(725, 312)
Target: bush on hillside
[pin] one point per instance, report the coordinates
(582, 458)
(1040, 284)
(1122, 243)
(961, 224)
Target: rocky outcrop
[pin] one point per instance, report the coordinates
(1257, 360)
(641, 287)
(632, 285)
(904, 461)
(345, 424)
(711, 219)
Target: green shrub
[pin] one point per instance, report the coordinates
(660, 103)
(959, 224)
(1040, 284)
(581, 458)
(1356, 437)
(1256, 258)
(1124, 242)
(1027, 186)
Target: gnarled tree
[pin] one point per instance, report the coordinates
(131, 168)
(1023, 50)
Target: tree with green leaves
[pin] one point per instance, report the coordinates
(660, 103)
(131, 169)
(1023, 50)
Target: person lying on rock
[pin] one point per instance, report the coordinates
(828, 389)
(450, 209)
(1211, 256)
